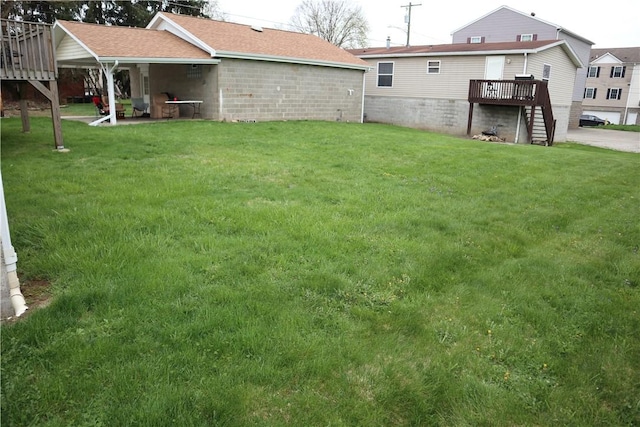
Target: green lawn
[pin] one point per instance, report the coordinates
(316, 274)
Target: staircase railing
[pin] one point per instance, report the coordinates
(533, 93)
(26, 51)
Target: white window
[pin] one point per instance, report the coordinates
(593, 72)
(546, 71)
(433, 67)
(617, 71)
(526, 37)
(590, 93)
(614, 93)
(385, 74)
(475, 39)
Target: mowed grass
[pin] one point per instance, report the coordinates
(316, 274)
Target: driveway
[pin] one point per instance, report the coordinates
(612, 139)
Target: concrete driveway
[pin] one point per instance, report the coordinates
(612, 139)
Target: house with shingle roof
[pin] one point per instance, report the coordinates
(612, 90)
(430, 87)
(239, 72)
(506, 24)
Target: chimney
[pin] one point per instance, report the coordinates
(388, 42)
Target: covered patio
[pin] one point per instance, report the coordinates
(157, 61)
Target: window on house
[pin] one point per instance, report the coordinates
(593, 72)
(617, 71)
(526, 37)
(546, 71)
(614, 93)
(385, 74)
(475, 39)
(590, 93)
(433, 67)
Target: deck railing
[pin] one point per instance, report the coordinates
(26, 51)
(531, 93)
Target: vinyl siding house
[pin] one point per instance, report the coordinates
(239, 72)
(436, 87)
(506, 24)
(612, 90)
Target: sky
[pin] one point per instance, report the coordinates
(616, 25)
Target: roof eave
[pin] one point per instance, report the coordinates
(271, 58)
(146, 60)
(565, 46)
(179, 31)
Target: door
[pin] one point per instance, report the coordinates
(144, 83)
(494, 67)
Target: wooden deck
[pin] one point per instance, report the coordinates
(27, 55)
(26, 52)
(521, 93)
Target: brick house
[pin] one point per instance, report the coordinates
(239, 72)
(612, 89)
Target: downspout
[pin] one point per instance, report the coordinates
(518, 125)
(524, 71)
(10, 259)
(364, 73)
(111, 96)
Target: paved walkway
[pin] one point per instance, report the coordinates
(612, 139)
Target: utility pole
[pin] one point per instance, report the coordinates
(407, 19)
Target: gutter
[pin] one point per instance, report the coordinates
(10, 259)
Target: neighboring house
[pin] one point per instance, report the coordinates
(612, 90)
(429, 87)
(506, 24)
(239, 72)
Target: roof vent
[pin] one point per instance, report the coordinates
(256, 28)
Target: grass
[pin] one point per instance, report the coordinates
(629, 128)
(306, 273)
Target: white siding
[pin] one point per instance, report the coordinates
(70, 50)
(505, 25)
(562, 74)
(410, 78)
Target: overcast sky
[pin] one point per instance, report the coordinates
(615, 24)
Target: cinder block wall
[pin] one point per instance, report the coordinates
(451, 116)
(187, 83)
(259, 90)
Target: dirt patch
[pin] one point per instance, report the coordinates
(37, 294)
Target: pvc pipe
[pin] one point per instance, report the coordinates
(10, 259)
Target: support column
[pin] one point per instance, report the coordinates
(52, 95)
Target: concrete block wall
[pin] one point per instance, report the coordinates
(177, 80)
(264, 91)
(451, 116)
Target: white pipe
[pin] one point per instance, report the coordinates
(364, 74)
(110, 94)
(518, 125)
(10, 259)
(524, 68)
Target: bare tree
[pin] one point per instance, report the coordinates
(340, 22)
